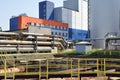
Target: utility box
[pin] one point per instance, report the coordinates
(83, 47)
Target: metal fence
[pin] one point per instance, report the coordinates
(13, 68)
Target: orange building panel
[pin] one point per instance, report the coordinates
(24, 20)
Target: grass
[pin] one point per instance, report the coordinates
(104, 54)
(67, 53)
(95, 53)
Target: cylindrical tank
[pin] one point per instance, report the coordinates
(104, 18)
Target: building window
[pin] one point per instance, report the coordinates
(71, 33)
(66, 29)
(29, 23)
(60, 33)
(55, 27)
(44, 6)
(52, 33)
(39, 25)
(66, 34)
(80, 34)
(84, 34)
(32, 24)
(55, 33)
(44, 10)
(63, 28)
(59, 27)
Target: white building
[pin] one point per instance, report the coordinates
(75, 13)
(104, 18)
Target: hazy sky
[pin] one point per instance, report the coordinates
(10, 8)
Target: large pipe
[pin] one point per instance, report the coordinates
(24, 42)
(25, 49)
(8, 34)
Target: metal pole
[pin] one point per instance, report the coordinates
(104, 69)
(88, 19)
(47, 69)
(71, 69)
(5, 74)
(14, 71)
(40, 70)
(97, 69)
(78, 69)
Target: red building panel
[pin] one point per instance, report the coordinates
(24, 20)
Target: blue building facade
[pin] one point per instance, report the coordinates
(14, 23)
(76, 34)
(46, 10)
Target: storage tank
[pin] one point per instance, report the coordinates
(104, 18)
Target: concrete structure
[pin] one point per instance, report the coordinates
(40, 29)
(34, 29)
(23, 22)
(74, 12)
(104, 18)
(46, 10)
(83, 47)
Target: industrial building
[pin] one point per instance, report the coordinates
(73, 12)
(23, 22)
(104, 22)
(46, 10)
(75, 16)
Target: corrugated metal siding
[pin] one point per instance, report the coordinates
(42, 10)
(50, 11)
(24, 20)
(46, 10)
(14, 23)
(76, 34)
(58, 14)
(71, 4)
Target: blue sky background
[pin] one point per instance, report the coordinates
(10, 8)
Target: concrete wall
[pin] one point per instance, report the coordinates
(41, 30)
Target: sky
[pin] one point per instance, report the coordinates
(9, 8)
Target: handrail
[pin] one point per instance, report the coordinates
(62, 66)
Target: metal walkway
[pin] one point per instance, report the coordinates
(58, 67)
